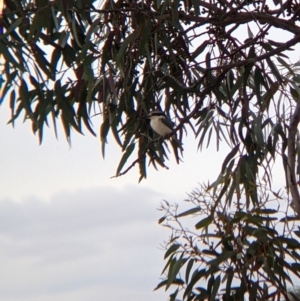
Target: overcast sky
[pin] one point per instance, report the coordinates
(69, 232)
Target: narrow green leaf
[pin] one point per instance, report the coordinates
(229, 274)
(74, 31)
(145, 35)
(296, 266)
(221, 258)
(210, 283)
(294, 94)
(199, 49)
(229, 157)
(54, 122)
(204, 222)
(161, 220)
(204, 294)
(83, 113)
(42, 62)
(209, 252)
(174, 295)
(169, 262)
(4, 50)
(197, 275)
(189, 212)
(285, 64)
(248, 67)
(103, 134)
(290, 242)
(265, 211)
(208, 60)
(63, 39)
(69, 55)
(115, 132)
(56, 55)
(230, 79)
(188, 269)
(253, 291)
(24, 97)
(176, 281)
(257, 84)
(143, 142)
(174, 270)
(125, 157)
(204, 126)
(289, 218)
(54, 17)
(209, 136)
(133, 36)
(236, 86)
(267, 46)
(93, 28)
(12, 103)
(274, 70)
(250, 34)
(215, 289)
(271, 274)
(12, 27)
(172, 249)
(66, 125)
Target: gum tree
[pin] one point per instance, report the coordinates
(221, 70)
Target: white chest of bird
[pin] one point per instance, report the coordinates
(160, 123)
(160, 126)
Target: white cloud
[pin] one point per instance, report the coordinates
(90, 244)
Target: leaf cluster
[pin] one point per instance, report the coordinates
(72, 60)
(243, 253)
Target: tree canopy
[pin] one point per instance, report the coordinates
(221, 70)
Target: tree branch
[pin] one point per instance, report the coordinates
(269, 54)
(240, 18)
(225, 69)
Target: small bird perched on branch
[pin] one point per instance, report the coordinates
(163, 126)
(160, 124)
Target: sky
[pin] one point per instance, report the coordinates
(68, 231)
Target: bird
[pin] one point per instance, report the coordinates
(160, 124)
(163, 126)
